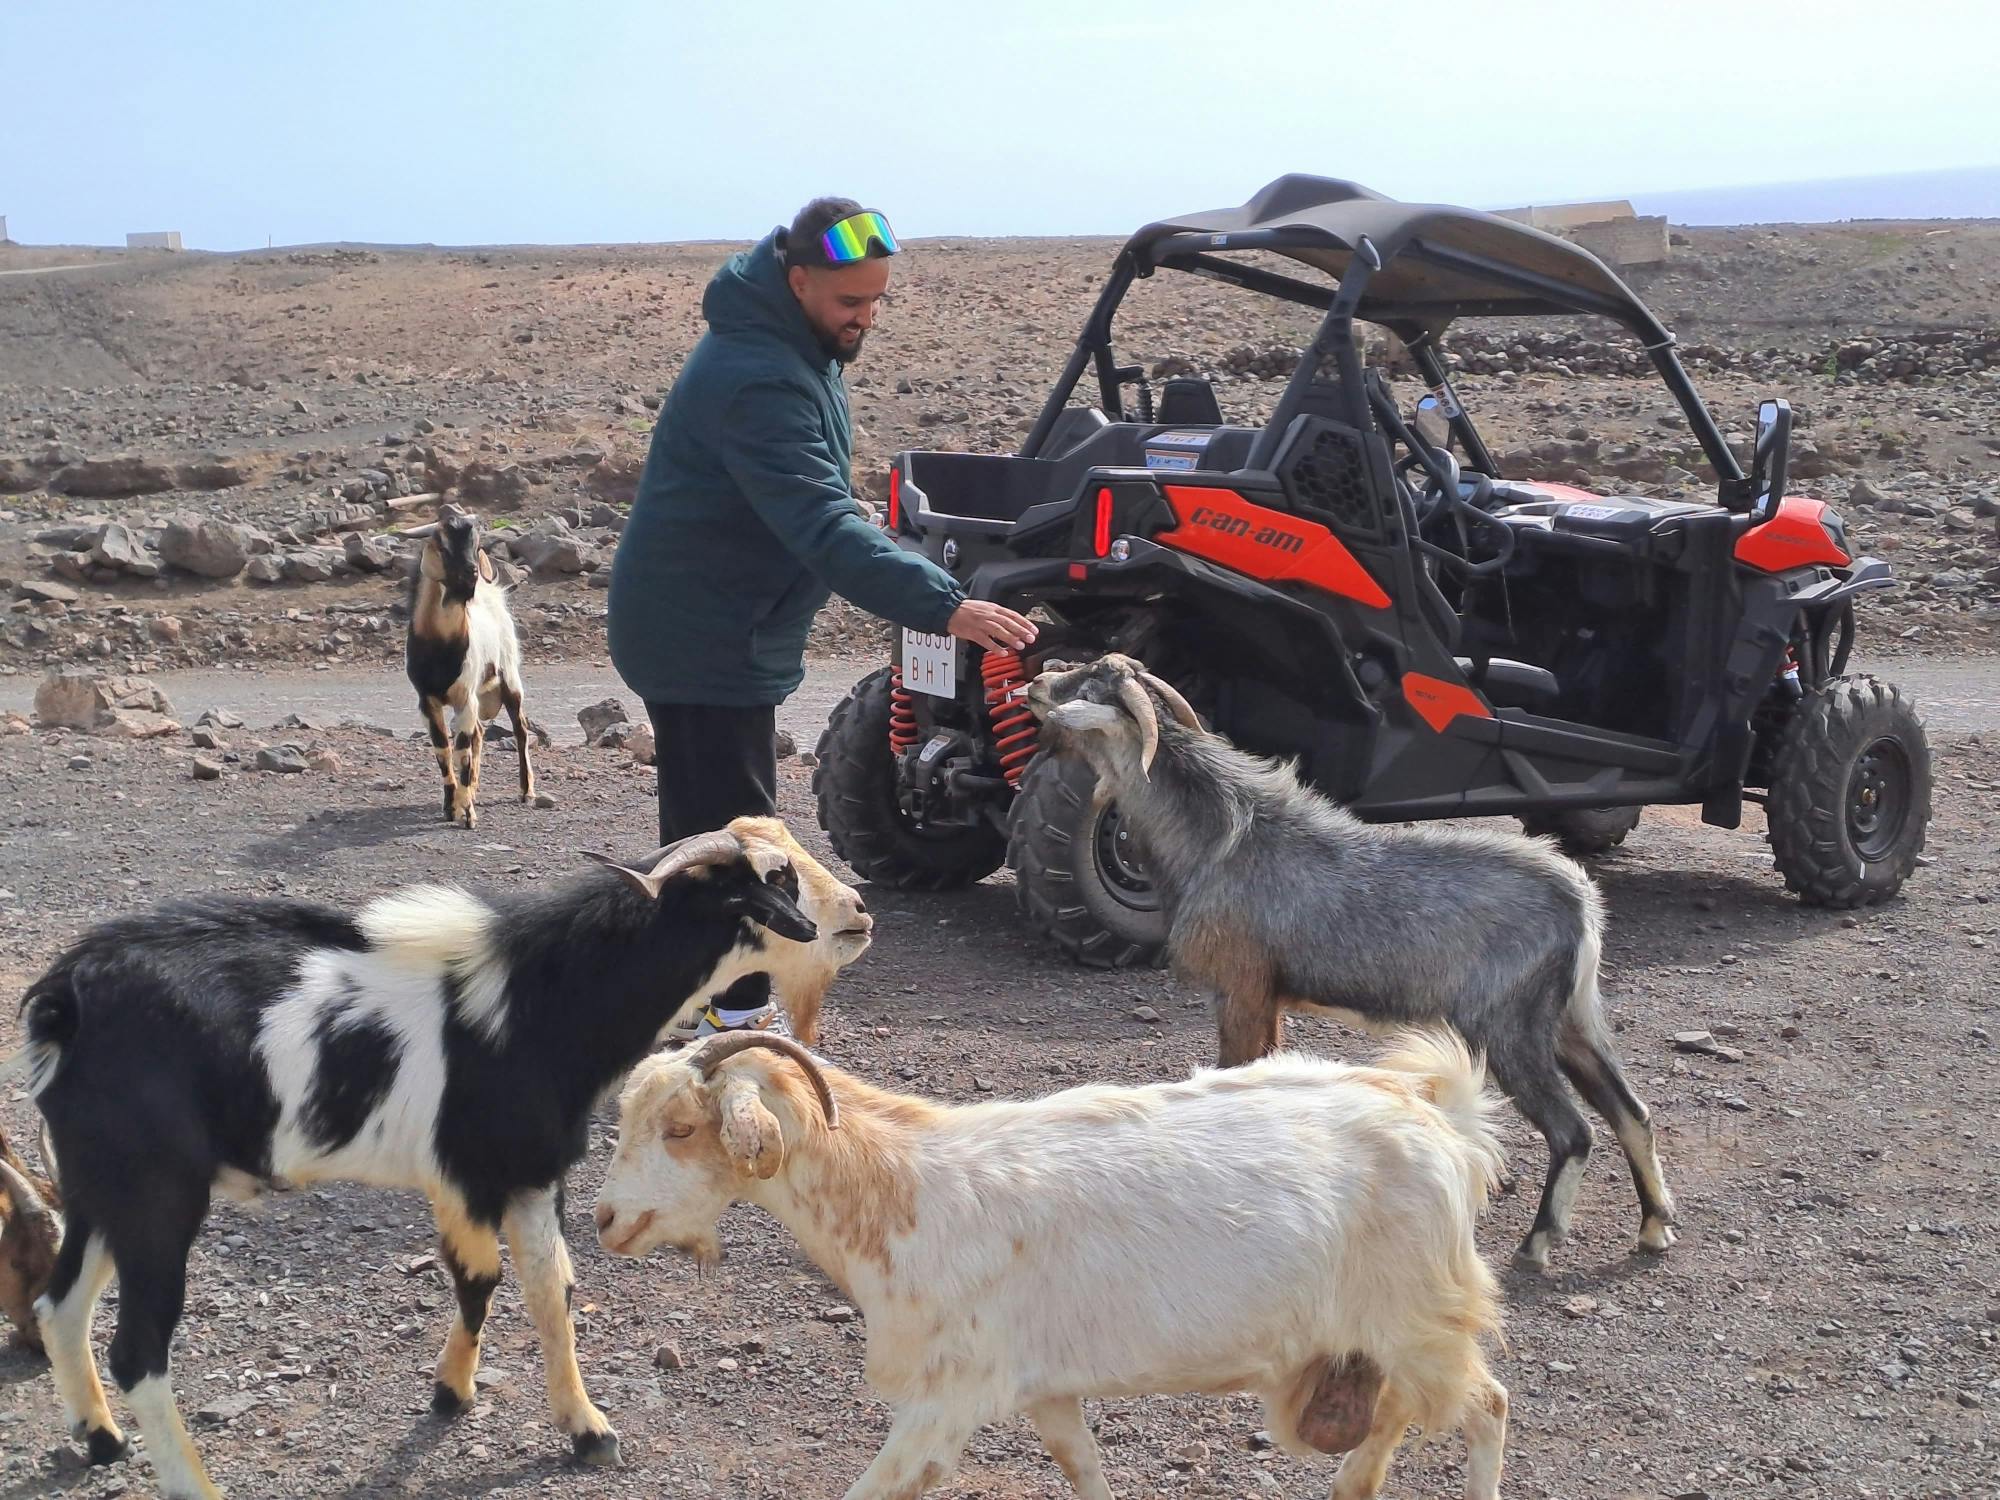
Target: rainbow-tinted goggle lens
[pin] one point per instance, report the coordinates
(852, 238)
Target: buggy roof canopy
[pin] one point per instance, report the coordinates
(1436, 263)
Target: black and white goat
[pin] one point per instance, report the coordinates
(435, 1041)
(1280, 899)
(463, 655)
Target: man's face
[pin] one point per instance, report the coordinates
(840, 302)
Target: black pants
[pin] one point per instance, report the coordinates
(715, 764)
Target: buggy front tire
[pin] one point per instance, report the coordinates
(1080, 880)
(1850, 800)
(1584, 830)
(854, 785)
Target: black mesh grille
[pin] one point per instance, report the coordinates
(1327, 473)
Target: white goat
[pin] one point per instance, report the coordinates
(1298, 1228)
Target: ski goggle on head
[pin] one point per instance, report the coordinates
(854, 238)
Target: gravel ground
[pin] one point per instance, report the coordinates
(1828, 1326)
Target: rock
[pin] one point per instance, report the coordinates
(211, 473)
(206, 769)
(71, 698)
(1960, 518)
(544, 801)
(786, 746)
(550, 547)
(44, 592)
(206, 738)
(164, 629)
(1145, 1013)
(205, 546)
(615, 479)
(640, 746)
(502, 488)
(117, 547)
(668, 1357)
(80, 762)
(220, 718)
(836, 1313)
(18, 476)
(269, 568)
(599, 717)
(137, 724)
(1864, 493)
(326, 761)
(370, 554)
(286, 760)
(226, 1409)
(1693, 1041)
(12, 724)
(106, 478)
(311, 564)
(609, 517)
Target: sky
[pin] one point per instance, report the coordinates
(581, 121)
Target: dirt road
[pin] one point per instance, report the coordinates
(1954, 694)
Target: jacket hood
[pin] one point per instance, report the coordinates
(751, 295)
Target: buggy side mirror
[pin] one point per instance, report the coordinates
(1770, 459)
(1430, 423)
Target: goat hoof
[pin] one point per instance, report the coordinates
(1654, 1239)
(446, 1402)
(598, 1449)
(1533, 1255)
(106, 1446)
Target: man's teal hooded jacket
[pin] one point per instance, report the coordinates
(745, 519)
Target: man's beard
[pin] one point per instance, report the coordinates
(835, 350)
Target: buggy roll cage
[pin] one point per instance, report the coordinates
(1334, 226)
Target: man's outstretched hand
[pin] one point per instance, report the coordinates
(993, 626)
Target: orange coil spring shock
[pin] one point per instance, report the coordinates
(1015, 732)
(902, 714)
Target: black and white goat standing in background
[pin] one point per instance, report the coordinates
(463, 655)
(435, 1040)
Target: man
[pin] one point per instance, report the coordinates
(746, 520)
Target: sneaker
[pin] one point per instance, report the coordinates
(713, 1018)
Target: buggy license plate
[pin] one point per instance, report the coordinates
(930, 664)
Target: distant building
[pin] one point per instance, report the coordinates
(165, 239)
(1610, 230)
(1557, 217)
(3, 231)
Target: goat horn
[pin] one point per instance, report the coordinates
(662, 864)
(27, 1202)
(1139, 703)
(718, 1051)
(1176, 704)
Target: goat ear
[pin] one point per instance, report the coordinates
(1081, 716)
(642, 881)
(749, 1132)
(486, 566)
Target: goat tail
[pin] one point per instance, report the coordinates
(1583, 1014)
(50, 1016)
(1453, 1079)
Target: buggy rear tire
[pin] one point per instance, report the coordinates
(1850, 800)
(854, 785)
(1584, 830)
(1078, 879)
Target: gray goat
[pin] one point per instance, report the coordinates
(1282, 900)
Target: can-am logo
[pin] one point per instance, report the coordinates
(1263, 536)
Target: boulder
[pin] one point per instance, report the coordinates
(615, 479)
(370, 554)
(551, 547)
(44, 592)
(210, 473)
(73, 698)
(503, 488)
(18, 476)
(105, 478)
(119, 548)
(312, 564)
(285, 760)
(266, 568)
(205, 546)
(599, 717)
